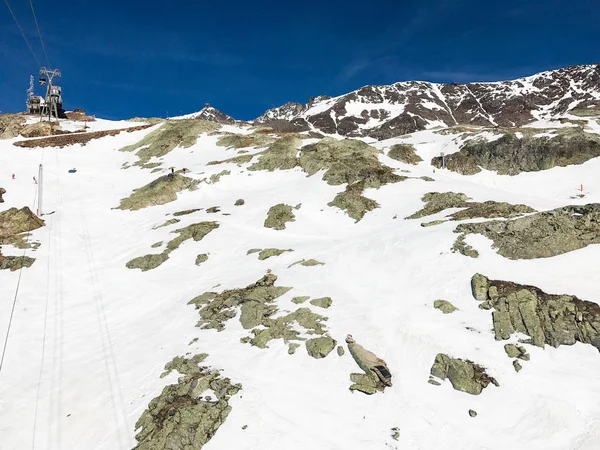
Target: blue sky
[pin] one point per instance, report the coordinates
(125, 58)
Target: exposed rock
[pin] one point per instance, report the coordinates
(517, 365)
(405, 153)
(323, 302)
(432, 223)
(292, 348)
(258, 140)
(445, 306)
(278, 216)
(479, 287)
(340, 350)
(511, 155)
(280, 155)
(186, 212)
(203, 257)
(353, 202)
(11, 125)
(217, 176)
(213, 210)
(148, 262)
(366, 383)
(253, 250)
(157, 244)
(544, 234)
(66, 139)
(300, 299)
(472, 413)
(395, 433)
(178, 418)
(547, 319)
(242, 159)
(166, 224)
(2, 192)
(439, 201)
(320, 347)
(239, 202)
(168, 136)
(460, 246)
(14, 263)
(160, 191)
(14, 221)
(465, 375)
(270, 252)
(40, 129)
(307, 263)
(215, 309)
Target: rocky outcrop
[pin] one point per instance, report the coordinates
(439, 201)
(14, 263)
(14, 221)
(465, 375)
(546, 318)
(11, 125)
(2, 192)
(280, 155)
(195, 231)
(238, 141)
(460, 246)
(268, 252)
(307, 263)
(159, 192)
(405, 153)
(511, 155)
(171, 134)
(323, 302)
(278, 216)
(181, 417)
(542, 235)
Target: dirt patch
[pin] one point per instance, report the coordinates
(75, 138)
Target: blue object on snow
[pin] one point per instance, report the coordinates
(72, 170)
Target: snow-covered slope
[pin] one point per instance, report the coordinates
(383, 112)
(90, 337)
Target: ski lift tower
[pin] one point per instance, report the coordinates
(53, 93)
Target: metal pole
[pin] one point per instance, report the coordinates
(40, 189)
(443, 161)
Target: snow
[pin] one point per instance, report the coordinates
(90, 337)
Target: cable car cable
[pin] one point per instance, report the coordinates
(39, 32)
(22, 33)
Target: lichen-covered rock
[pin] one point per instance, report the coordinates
(517, 365)
(323, 302)
(180, 418)
(465, 375)
(479, 287)
(270, 252)
(186, 212)
(444, 306)
(353, 202)
(2, 192)
(340, 350)
(195, 231)
(366, 383)
(14, 263)
(472, 413)
(542, 235)
(307, 263)
(14, 221)
(239, 202)
(167, 223)
(511, 155)
(257, 140)
(300, 299)
(280, 155)
(203, 257)
(405, 153)
(215, 178)
(213, 210)
(432, 223)
(292, 348)
(546, 318)
(159, 192)
(215, 309)
(148, 262)
(171, 134)
(439, 201)
(460, 246)
(278, 216)
(157, 244)
(320, 347)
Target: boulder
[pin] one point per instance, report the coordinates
(464, 375)
(320, 347)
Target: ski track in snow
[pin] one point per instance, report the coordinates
(90, 337)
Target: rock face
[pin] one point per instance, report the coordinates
(159, 192)
(278, 216)
(465, 375)
(382, 112)
(10, 125)
(544, 234)
(180, 418)
(547, 319)
(511, 155)
(2, 192)
(208, 113)
(15, 221)
(13, 263)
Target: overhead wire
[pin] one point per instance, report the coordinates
(22, 32)
(39, 32)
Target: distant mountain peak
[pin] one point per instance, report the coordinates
(209, 113)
